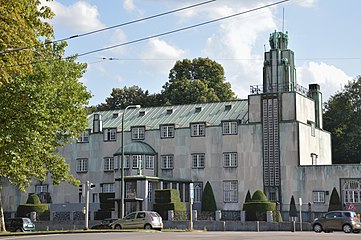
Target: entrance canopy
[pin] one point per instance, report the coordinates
(136, 148)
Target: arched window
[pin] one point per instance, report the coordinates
(352, 191)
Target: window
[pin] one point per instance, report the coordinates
(108, 164)
(352, 191)
(137, 161)
(84, 137)
(318, 196)
(41, 188)
(149, 162)
(167, 162)
(138, 133)
(167, 131)
(229, 128)
(107, 187)
(110, 134)
(230, 159)
(198, 129)
(198, 189)
(150, 189)
(82, 165)
(198, 160)
(230, 191)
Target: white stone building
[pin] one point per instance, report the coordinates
(273, 141)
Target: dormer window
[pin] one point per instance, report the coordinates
(198, 109)
(169, 111)
(227, 107)
(141, 113)
(115, 115)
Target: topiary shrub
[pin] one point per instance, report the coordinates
(33, 204)
(258, 206)
(335, 202)
(247, 199)
(208, 201)
(293, 209)
(168, 199)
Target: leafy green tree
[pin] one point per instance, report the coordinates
(293, 209)
(22, 26)
(41, 111)
(208, 200)
(199, 80)
(335, 202)
(123, 97)
(342, 118)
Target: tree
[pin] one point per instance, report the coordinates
(199, 80)
(123, 97)
(41, 111)
(22, 26)
(342, 118)
(335, 202)
(208, 200)
(293, 209)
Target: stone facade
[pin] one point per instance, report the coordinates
(273, 141)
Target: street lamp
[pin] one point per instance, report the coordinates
(122, 183)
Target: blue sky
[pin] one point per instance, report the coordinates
(322, 33)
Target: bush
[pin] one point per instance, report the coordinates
(208, 202)
(33, 205)
(168, 199)
(256, 209)
(293, 209)
(335, 202)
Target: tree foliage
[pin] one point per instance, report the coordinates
(120, 98)
(208, 201)
(335, 201)
(342, 118)
(41, 111)
(199, 80)
(22, 25)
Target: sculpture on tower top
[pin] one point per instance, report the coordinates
(278, 40)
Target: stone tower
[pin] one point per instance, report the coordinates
(278, 77)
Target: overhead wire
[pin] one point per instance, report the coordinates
(181, 29)
(163, 34)
(111, 27)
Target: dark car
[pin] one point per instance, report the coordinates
(19, 224)
(105, 224)
(346, 221)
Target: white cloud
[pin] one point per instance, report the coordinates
(330, 78)
(128, 5)
(235, 41)
(79, 17)
(117, 38)
(160, 55)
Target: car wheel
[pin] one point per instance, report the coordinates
(356, 231)
(347, 228)
(147, 226)
(117, 226)
(317, 228)
(19, 230)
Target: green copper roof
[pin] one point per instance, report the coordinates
(179, 115)
(136, 147)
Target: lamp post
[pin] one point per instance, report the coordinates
(122, 183)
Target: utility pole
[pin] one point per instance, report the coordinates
(191, 197)
(85, 193)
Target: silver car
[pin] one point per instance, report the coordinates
(140, 219)
(346, 221)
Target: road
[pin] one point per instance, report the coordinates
(191, 236)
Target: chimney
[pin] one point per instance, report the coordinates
(97, 123)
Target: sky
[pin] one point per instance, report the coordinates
(322, 33)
